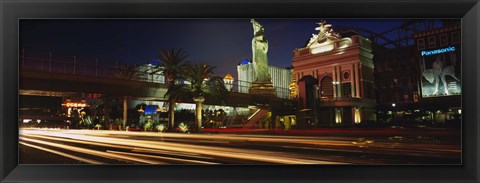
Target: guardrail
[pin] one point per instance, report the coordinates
(75, 67)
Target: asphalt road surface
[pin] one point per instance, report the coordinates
(60, 146)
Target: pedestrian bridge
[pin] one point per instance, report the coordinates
(47, 78)
(44, 77)
(60, 84)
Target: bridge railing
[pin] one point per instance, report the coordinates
(244, 86)
(97, 70)
(75, 68)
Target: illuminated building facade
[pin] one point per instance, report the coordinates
(409, 89)
(281, 78)
(147, 73)
(228, 81)
(335, 79)
(292, 87)
(246, 75)
(438, 53)
(439, 56)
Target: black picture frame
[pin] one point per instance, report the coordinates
(11, 11)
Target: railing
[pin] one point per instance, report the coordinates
(244, 86)
(88, 69)
(75, 68)
(334, 99)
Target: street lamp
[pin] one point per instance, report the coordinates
(393, 110)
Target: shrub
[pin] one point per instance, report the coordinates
(183, 127)
(160, 127)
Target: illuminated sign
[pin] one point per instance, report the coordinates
(441, 73)
(438, 51)
(151, 109)
(74, 104)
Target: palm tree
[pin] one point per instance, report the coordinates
(173, 64)
(203, 84)
(130, 72)
(107, 105)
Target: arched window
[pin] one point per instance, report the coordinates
(326, 87)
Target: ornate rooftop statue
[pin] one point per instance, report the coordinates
(325, 34)
(259, 53)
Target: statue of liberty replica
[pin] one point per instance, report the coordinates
(262, 84)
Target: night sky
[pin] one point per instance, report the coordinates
(219, 42)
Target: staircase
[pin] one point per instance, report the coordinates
(255, 117)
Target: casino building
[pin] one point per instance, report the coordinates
(335, 82)
(420, 83)
(281, 78)
(439, 57)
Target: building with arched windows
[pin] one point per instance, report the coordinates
(335, 79)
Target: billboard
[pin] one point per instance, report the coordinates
(441, 72)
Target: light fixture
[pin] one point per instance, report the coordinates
(393, 104)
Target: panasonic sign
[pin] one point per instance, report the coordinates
(438, 51)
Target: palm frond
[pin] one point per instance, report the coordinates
(129, 72)
(204, 83)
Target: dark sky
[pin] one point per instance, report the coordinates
(219, 42)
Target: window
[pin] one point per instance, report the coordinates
(405, 82)
(369, 90)
(387, 66)
(347, 89)
(432, 42)
(346, 76)
(455, 37)
(396, 97)
(443, 40)
(326, 87)
(380, 67)
(421, 44)
(405, 97)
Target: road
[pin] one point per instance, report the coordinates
(61, 146)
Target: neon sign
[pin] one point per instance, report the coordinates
(438, 51)
(74, 104)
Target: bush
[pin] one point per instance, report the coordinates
(161, 127)
(183, 127)
(148, 125)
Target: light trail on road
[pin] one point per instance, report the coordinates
(62, 154)
(91, 146)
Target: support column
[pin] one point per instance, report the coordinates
(352, 82)
(334, 78)
(339, 80)
(198, 112)
(357, 80)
